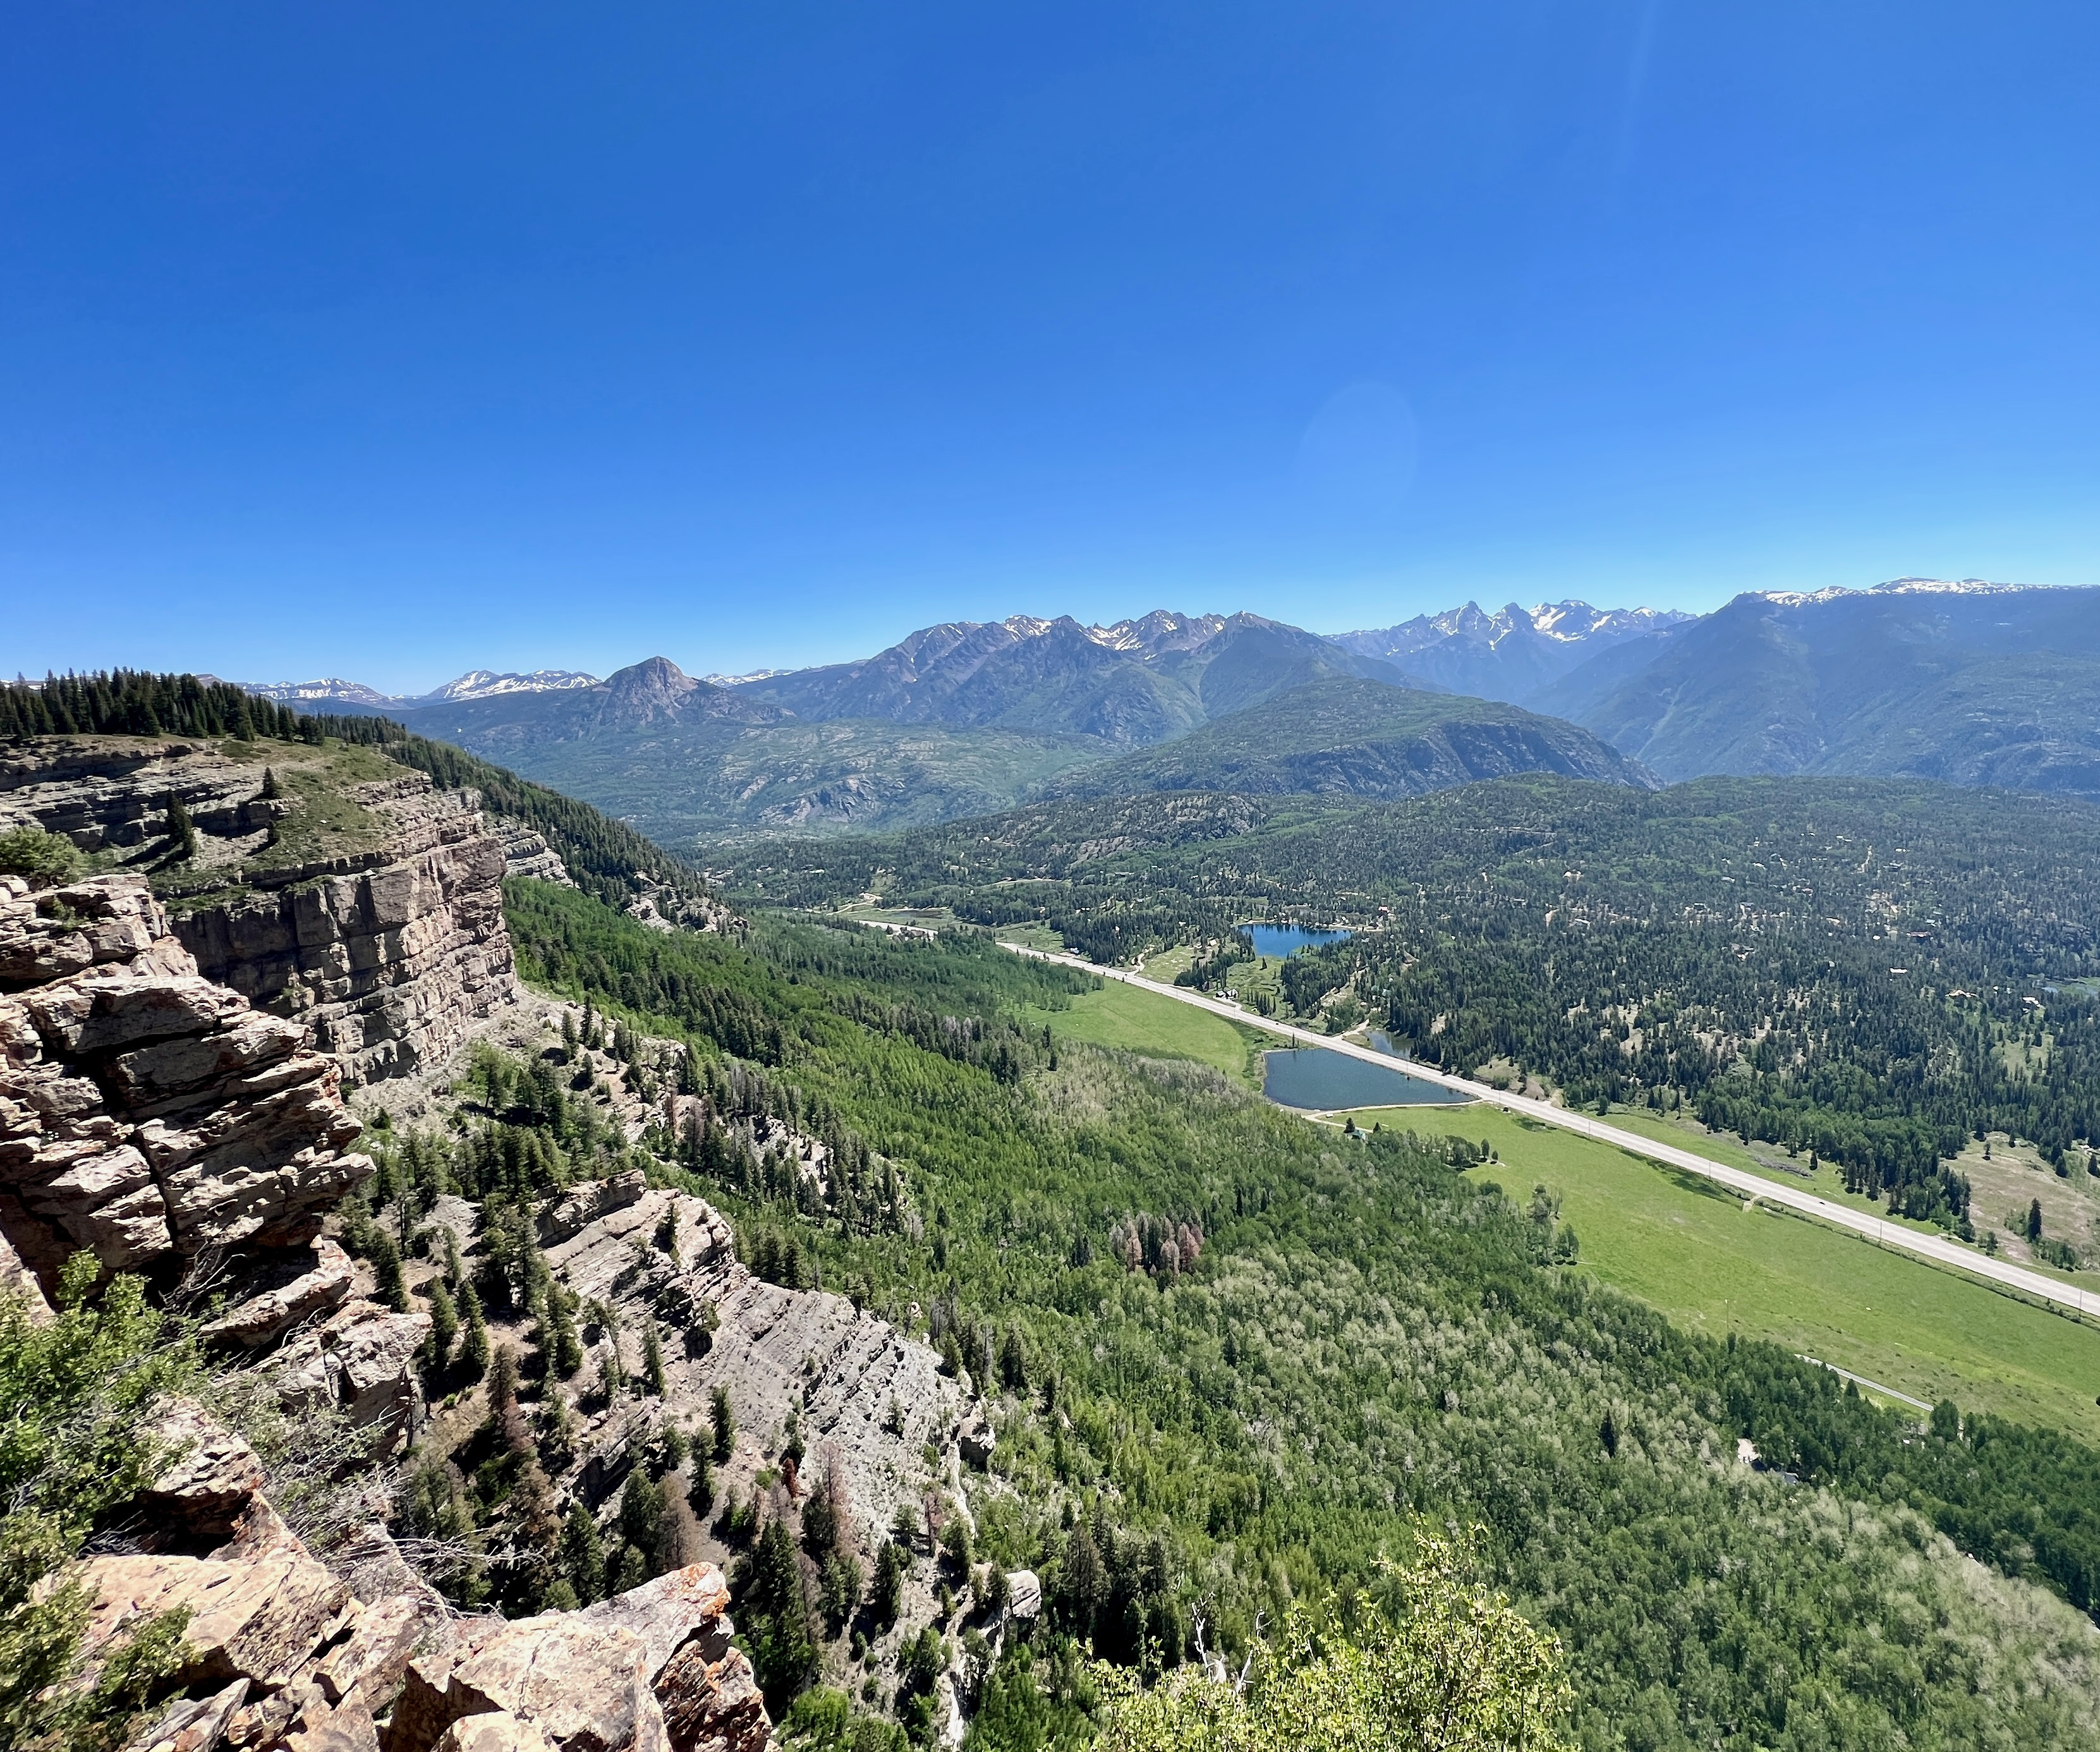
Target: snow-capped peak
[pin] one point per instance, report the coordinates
(486, 684)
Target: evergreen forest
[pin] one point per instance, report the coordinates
(1871, 971)
(1238, 1360)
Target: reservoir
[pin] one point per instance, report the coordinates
(1279, 941)
(1313, 1076)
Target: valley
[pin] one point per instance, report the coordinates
(951, 1316)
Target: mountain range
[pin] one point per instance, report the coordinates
(476, 684)
(1512, 654)
(1968, 682)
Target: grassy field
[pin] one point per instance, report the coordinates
(1127, 1016)
(1691, 1250)
(1825, 1182)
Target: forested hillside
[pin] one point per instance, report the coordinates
(1870, 970)
(1350, 737)
(1234, 1356)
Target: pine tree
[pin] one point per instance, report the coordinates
(885, 1599)
(583, 1554)
(2034, 1221)
(473, 1348)
(652, 1358)
(701, 1491)
(386, 1271)
(181, 829)
(725, 1426)
(773, 1615)
(444, 1324)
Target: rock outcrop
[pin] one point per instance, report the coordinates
(392, 965)
(526, 852)
(146, 1114)
(866, 1398)
(282, 1653)
(377, 920)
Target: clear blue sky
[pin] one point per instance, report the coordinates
(390, 340)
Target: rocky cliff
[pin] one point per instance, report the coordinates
(165, 1125)
(146, 1114)
(392, 964)
(283, 1653)
(327, 885)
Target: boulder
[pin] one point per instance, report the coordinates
(976, 1437)
(1024, 1595)
(361, 1359)
(255, 1619)
(494, 1731)
(194, 1724)
(649, 1668)
(206, 1483)
(300, 1283)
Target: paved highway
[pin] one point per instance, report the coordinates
(1941, 1250)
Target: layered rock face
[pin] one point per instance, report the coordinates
(388, 942)
(392, 966)
(146, 1114)
(284, 1654)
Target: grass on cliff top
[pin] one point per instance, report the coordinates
(1690, 1249)
(328, 823)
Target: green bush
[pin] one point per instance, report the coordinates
(74, 1392)
(47, 859)
(1458, 1669)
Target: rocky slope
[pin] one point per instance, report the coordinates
(284, 1653)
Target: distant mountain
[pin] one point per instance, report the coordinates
(485, 684)
(1134, 684)
(476, 684)
(652, 693)
(331, 690)
(1512, 654)
(1350, 737)
(1970, 682)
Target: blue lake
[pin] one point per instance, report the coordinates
(1279, 941)
(1313, 1076)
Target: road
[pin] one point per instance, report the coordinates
(1941, 1249)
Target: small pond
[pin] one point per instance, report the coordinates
(1279, 941)
(1315, 1077)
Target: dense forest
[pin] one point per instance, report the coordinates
(1237, 1357)
(1874, 971)
(604, 856)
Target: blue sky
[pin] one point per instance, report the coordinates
(387, 341)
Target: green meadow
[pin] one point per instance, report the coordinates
(1693, 1250)
(1163, 1028)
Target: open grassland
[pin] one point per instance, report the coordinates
(2002, 1188)
(1143, 1022)
(1691, 1250)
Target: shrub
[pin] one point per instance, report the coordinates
(47, 859)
